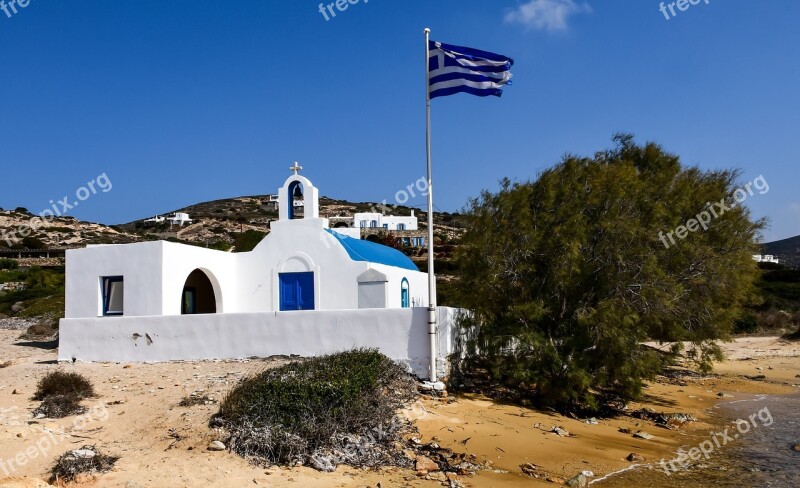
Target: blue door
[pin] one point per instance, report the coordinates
(297, 291)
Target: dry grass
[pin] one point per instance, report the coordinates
(61, 394)
(195, 400)
(69, 466)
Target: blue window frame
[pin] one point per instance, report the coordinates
(296, 291)
(401, 226)
(386, 226)
(404, 293)
(374, 223)
(113, 295)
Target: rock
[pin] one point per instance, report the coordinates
(625, 430)
(635, 458)
(439, 386)
(724, 395)
(426, 386)
(437, 476)
(456, 484)
(643, 435)
(425, 464)
(797, 447)
(530, 469)
(17, 307)
(553, 479)
(592, 421)
(324, 463)
(39, 415)
(560, 431)
(83, 454)
(23, 482)
(216, 446)
(578, 481)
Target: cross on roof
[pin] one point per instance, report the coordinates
(296, 167)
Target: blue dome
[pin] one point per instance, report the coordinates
(371, 252)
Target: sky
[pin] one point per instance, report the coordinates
(182, 101)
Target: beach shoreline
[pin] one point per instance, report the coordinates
(141, 405)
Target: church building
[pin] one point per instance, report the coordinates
(305, 289)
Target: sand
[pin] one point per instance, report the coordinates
(160, 444)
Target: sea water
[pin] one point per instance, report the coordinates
(756, 451)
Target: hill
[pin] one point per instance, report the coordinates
(219, 223)
(20, 229)
(787, 250)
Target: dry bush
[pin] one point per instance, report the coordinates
(68, 466)
(61, 394)
(38, 332)
(5, 364)
(195, 400)
(324, 411)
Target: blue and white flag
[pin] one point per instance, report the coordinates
(456, 69)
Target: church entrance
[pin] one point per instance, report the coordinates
(198, 294)
(296, 291)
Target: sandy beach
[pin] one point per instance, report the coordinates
(136, 417)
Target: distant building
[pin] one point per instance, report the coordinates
(765, 258)
(375, 220)
(180, 218)
(156, 220)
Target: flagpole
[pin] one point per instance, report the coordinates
(432, 326)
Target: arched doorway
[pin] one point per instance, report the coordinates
(198, 294)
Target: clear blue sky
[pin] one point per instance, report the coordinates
(184, 101)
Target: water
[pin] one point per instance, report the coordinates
(754, 452)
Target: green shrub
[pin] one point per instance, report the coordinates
(286, 415)
(6, 263)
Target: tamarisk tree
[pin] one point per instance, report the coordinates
(567, 275)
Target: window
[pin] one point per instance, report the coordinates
(189, 302)
(401, 226)
(386, 226)
(374, 223)
(113, 295)
(404, 294)
(362, 224)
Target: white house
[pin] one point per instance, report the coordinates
(766, 258)
(388, 222)
(304, 289)
(180, 218)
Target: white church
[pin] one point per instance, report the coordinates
(305, 289)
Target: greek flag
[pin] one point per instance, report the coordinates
(456, 69)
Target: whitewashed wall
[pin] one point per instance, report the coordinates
(154, 274)
(401, 334)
